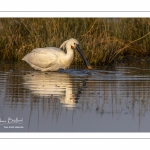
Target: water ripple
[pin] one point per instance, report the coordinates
(76, 94)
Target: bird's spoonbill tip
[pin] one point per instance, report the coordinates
(89, 67)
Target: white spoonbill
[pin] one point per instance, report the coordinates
(52, 58)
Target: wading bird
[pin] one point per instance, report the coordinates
(52, 58)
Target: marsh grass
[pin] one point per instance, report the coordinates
(103, 40)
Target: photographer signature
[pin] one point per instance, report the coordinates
(11, 121)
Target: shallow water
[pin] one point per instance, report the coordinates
(76, 100)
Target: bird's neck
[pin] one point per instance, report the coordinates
(70, 54)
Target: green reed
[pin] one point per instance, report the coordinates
(102, 40)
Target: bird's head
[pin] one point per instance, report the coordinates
(74, 44)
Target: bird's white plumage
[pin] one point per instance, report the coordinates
(45, 59)
(52, 58)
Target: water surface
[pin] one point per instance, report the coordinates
(76, 100)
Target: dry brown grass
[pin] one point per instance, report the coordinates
(103, 40)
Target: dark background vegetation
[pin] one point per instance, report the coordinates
(104, 41)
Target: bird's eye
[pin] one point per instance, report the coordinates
(74, 43)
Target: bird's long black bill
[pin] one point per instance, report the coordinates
(84, 59)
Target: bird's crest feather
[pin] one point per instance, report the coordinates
(63, 45)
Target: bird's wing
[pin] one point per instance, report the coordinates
(43, 57)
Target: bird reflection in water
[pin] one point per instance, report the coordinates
(51, 84)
